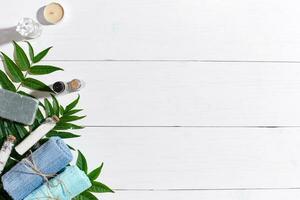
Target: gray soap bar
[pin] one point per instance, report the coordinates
(18, 108)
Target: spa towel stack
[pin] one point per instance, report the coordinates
(50, 158)
(65, 186)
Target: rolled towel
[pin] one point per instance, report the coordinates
(32, 172)
(65, 186)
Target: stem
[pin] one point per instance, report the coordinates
(21, 82)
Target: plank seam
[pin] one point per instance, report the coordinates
(205, 189)
(254, 127)
(179, 60)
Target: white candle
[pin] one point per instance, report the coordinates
(36, 135)
(53, 13)
(6, 151)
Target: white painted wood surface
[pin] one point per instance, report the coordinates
(209, 195)
(181, 95)
(168, 29)
(186, 93)
(194, 158)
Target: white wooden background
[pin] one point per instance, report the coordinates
(186, 99)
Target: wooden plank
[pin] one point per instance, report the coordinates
(185, 93)
(204, 195)
(169, 29)
(193, 158)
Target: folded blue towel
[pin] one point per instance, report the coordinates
(26, 176)
(65, 186)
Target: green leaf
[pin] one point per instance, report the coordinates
(40, 55)
(66, 126)
(43, 69)
(70, 147)
(31, 51)
(22, 59)
(25, 94)
(41, 104)
(69, 118)
(6, 83)
(95, 173)
(35, 85)
(21, 130)
(64, 135)
(81, 162)
(5, 128)
(12, 130)
(72, 104)
(2, 127)
(61, 110)
(39, 119)
(2, 133)
(86, 196)
(39, 116)
(10, 163)
(71, 112)
(48, 108)
(55, 106)
(14, 72)
(98, 187)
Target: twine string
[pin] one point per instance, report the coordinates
(30, 163)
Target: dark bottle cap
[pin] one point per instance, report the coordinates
(59, 87)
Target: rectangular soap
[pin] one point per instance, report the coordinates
(18, 108)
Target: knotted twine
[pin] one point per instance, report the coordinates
(30, 164)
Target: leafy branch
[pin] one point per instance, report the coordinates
(16, 75)
(19, 72)
(97, 187)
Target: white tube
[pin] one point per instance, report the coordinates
(36, 135)
(6, 151)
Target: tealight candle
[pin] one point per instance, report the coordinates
(53, 13)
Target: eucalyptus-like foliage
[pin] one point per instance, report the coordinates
(19, 73)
